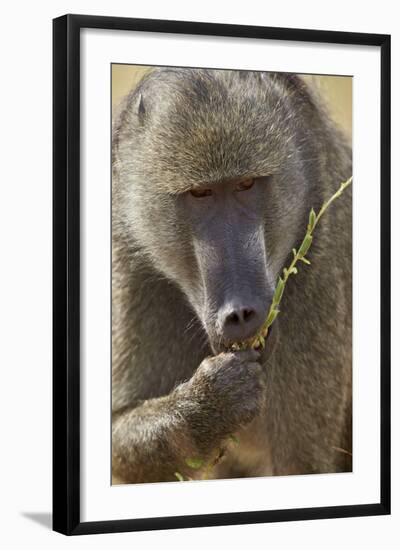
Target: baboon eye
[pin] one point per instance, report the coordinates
(245, 185)
(199, 193)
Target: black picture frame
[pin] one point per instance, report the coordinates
(66, 273)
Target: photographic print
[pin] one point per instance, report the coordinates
(221, 318)
(231, 274)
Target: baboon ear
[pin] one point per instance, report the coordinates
(140, 108)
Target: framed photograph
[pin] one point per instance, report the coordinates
(221, 274)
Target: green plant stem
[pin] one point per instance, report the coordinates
(298, 255)
(333, 198)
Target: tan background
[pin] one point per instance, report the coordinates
(336, 91)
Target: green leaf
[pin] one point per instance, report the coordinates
(311, 220)
(179, 476)
(271, 317)
(294, 251)
(294, 270)
(278, 291)
(305, 245)
(194, 463)
(305, 261)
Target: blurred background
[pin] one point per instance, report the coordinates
(335, 90)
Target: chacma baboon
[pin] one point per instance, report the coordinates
(214, 175)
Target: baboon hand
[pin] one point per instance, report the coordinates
(228, 391)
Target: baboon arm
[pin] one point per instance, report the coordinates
(151, 441)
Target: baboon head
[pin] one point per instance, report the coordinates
(211, 171)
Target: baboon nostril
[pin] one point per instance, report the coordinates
(239, 322)
(239, 316)
(247, 313)
(233, 318)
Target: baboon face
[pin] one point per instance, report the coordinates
(225, 223)
(213, 190)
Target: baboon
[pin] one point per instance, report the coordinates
(214, 175)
